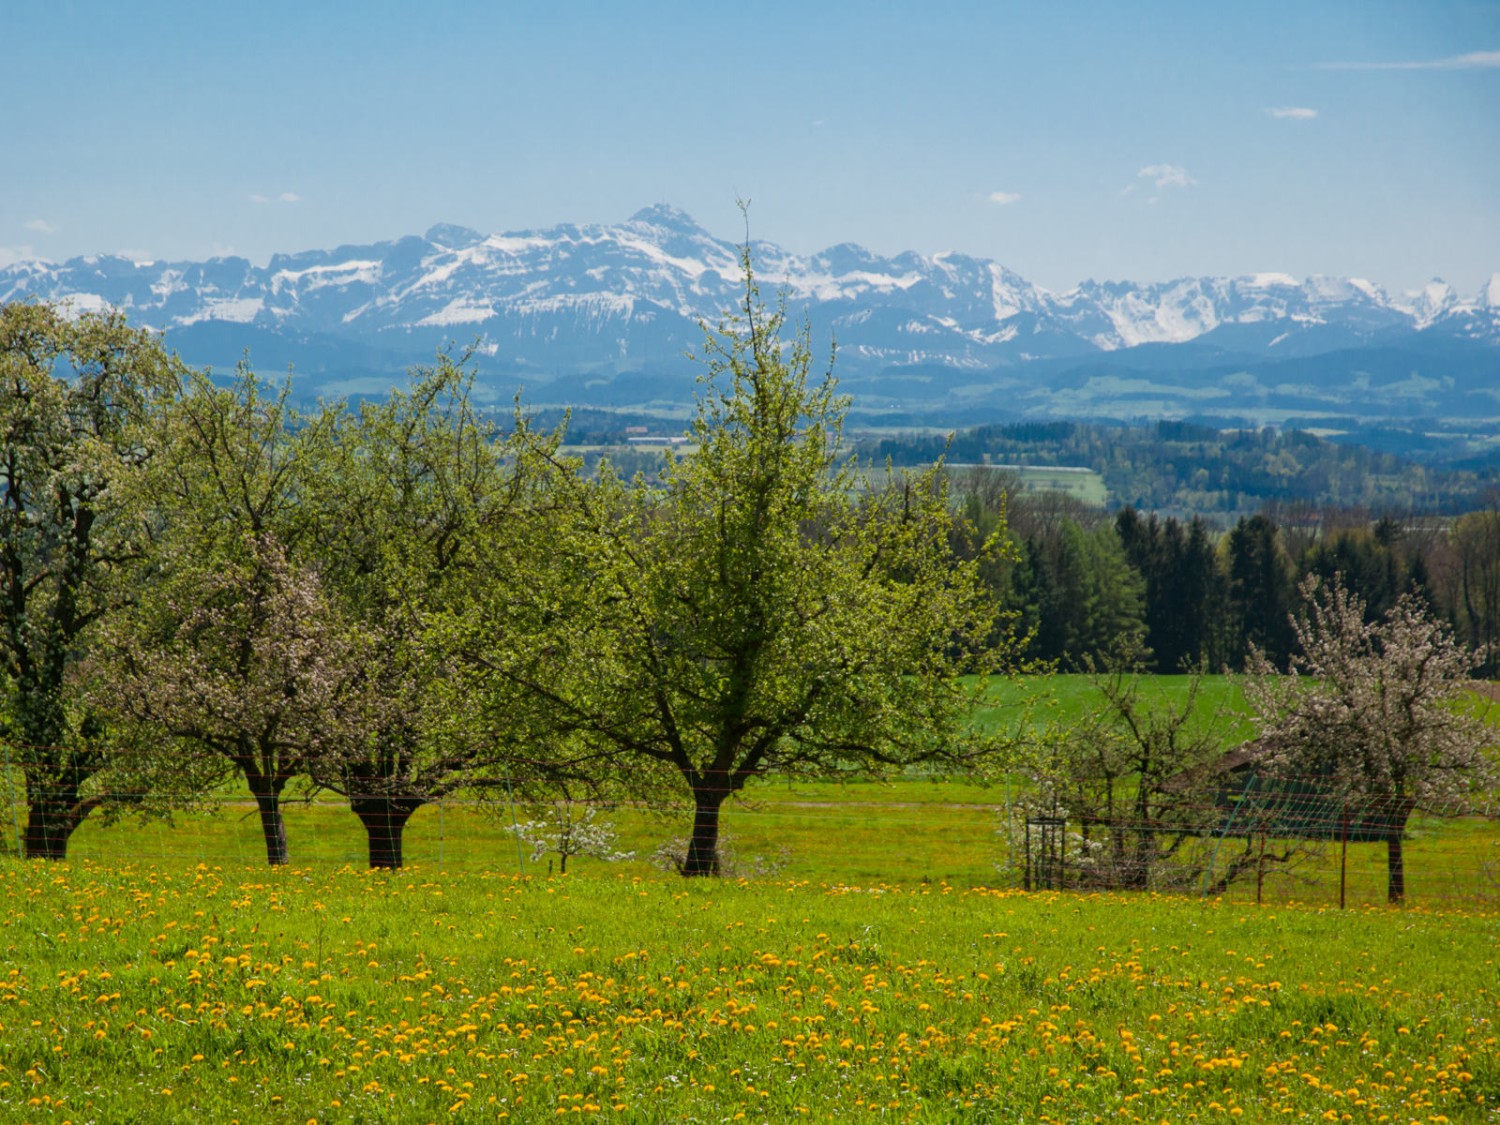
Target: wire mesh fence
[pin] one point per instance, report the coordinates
(1250, 839)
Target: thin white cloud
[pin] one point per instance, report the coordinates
(1167, 175)
(41, 226)
(1473, 60)
(289, 197)
(1292, 113)
(1003, 198)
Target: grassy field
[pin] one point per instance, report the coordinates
(913, 830)
(908, 833)
(1035, 702)
(165, 974)
(1083, 484)
(189, 993)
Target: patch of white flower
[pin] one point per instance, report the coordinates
(570, 829)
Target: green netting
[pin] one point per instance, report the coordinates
(1252, 805)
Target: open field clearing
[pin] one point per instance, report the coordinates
(908, 832)
(917, 829)
(187, 993)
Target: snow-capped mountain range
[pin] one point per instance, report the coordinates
(605, 313)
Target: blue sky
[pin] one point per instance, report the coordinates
(1106, 140)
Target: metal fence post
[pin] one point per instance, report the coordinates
(1027, 884)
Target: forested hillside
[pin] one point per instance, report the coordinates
(1085, 583)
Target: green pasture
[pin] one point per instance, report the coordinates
(884, 972)
(906, 833)
(1038, 703)
(1083, 484)
(910, 830)
(182, 992)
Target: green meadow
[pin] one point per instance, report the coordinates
(886, 971)
(185, 993)
(910, 830)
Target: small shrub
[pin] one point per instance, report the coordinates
(671, 856)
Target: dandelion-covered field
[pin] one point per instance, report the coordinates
(184, 992)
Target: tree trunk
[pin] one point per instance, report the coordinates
(703, 847)
(272, 827)
(49, 825)
(53, 808)
(385, 820)
(1395, 864)
(1396, 817)
(1140, 866)
(54, 779)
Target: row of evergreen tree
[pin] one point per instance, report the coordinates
(1081, 581)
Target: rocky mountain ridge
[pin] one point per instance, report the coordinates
(605, 313)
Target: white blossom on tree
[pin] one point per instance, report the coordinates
(568, 828)
(1377, 712)
(241, 664)
(231, 651)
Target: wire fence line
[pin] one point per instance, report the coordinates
(1247, 838)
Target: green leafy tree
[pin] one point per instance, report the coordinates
(1474, 588)
(417, 508)
(763, 611)
(1182, 596)
(1366, 562)
(982, 498)
(1091, 599)
(75, 399)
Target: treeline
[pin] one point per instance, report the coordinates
(1187, 469)
(203, 588)
(1083, 582)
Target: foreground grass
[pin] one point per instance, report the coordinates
(191, 993)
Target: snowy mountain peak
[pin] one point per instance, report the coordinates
(1270, 281)
(1432, 301)
(453, 237)
(576, 300)
(665, 215)
(1489, 296)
